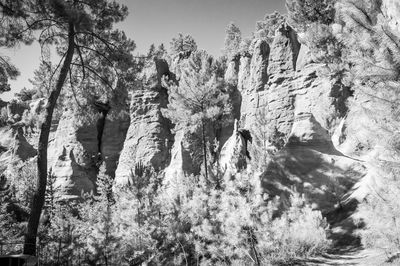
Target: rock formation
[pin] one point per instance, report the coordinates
(233, 156)
(82, 143)
(274, 87)
(74, 154)
(14, 148)
(149, 137)
(282, 88)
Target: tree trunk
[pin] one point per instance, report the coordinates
(39, 195)
(204, 149)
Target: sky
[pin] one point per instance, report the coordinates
(158, 21)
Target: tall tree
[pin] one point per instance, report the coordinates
(199, 102)
(83, 35)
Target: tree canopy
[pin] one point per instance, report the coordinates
(302, 13)
(183, 45)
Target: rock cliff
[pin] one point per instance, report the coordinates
(283, 93)
(149, 138)
(276, 91)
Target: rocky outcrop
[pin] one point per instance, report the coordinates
(233, 155)
(307, 131)
(284, 51)
(149, 138)
(252, 70)
(74, 154)
(232, 70)
(14, 148)
(284, 94)
(258, 65)
(83, 142)
(391, 10)
(183, 162)
(275, 86)
(113, 137)
(268, 77)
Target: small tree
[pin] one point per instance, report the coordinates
(233, 40)
(183, 46)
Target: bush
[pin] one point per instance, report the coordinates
(380, 212)
(235, 226)
(300, 232)
(265, 29)
(206, 223)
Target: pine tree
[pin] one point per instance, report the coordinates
(233, 40)
(183, 46)
(199, 102)
(374, 74)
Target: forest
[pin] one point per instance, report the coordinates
(282, 150)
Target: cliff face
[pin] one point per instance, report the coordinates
(74, 153)
(149, 138)
(283, 95)
(277, 94)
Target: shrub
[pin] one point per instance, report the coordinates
(380, 212)
(235, 226)
(300, 232)
(265, 29)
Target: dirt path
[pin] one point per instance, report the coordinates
(347, 249)
(362, 258)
